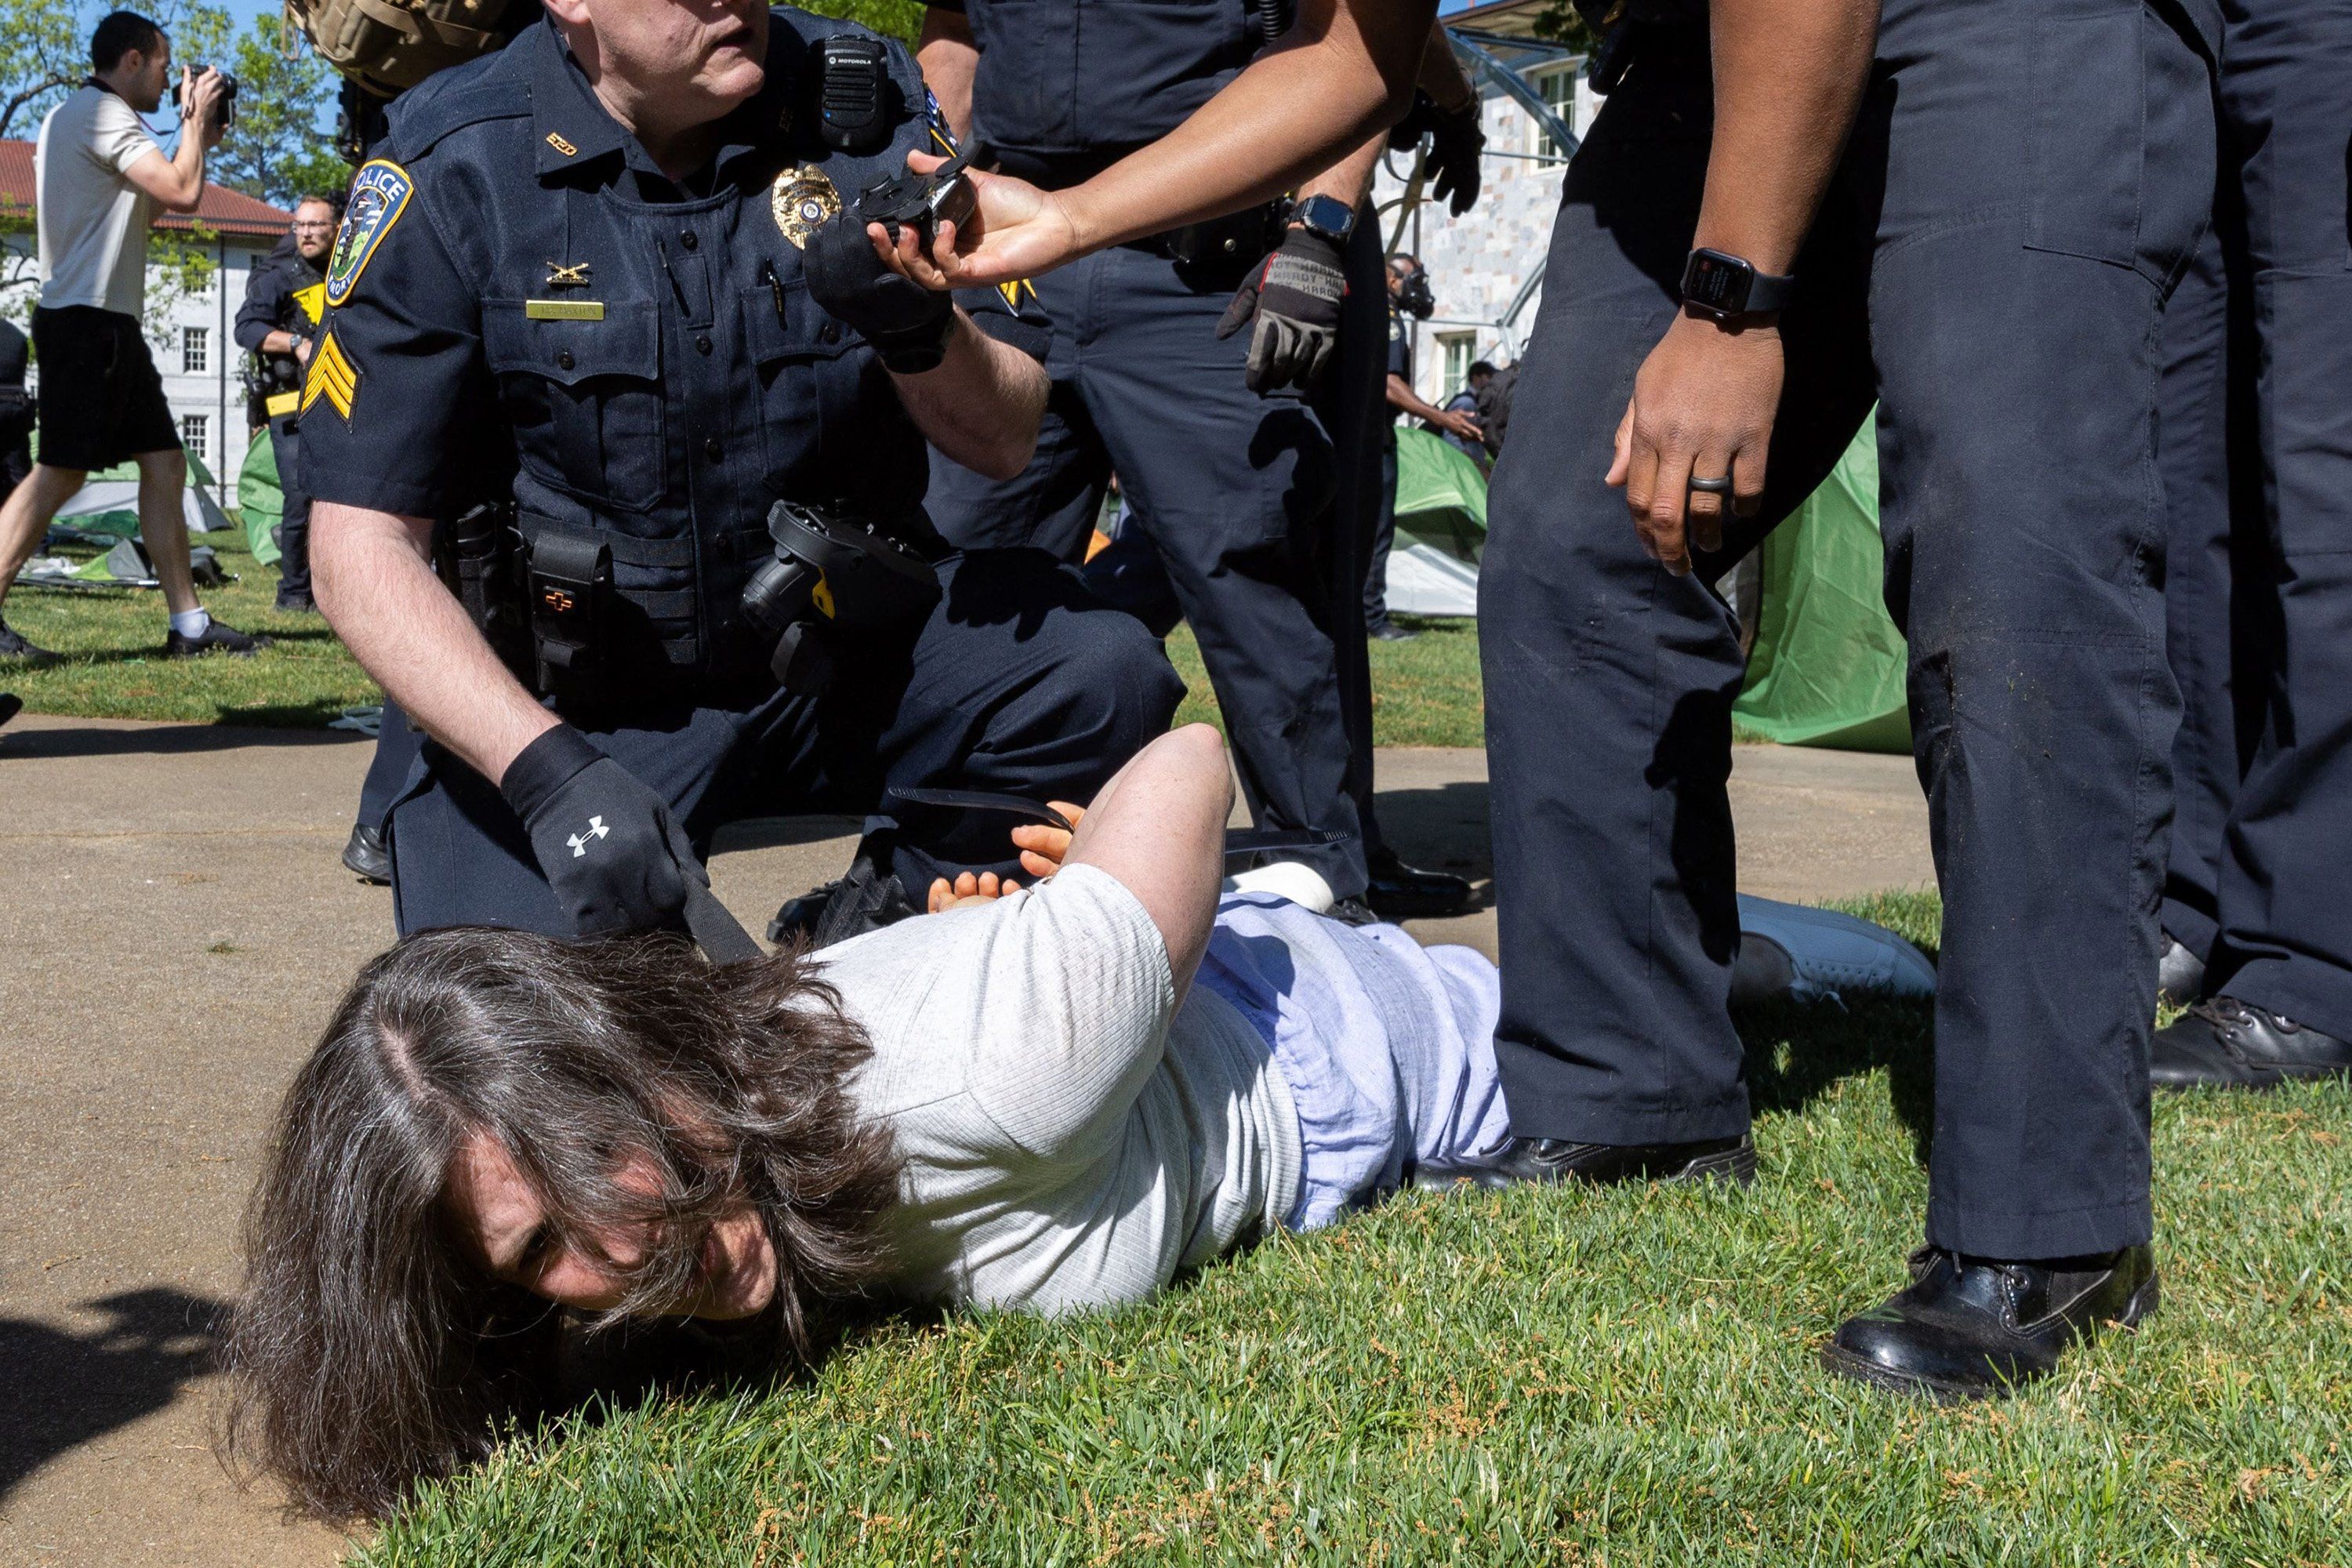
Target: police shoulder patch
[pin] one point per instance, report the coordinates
(380, 193)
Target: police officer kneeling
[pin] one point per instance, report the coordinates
(597, 276)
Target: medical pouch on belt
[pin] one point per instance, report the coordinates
(664, 374)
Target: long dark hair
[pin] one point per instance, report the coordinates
(366, 1350)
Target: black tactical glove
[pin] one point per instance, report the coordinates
(615, 858)
(1294, 298)
(907, 323)
(1455, 140)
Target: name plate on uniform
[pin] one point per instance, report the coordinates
(564, 310)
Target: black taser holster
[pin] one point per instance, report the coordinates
(478, 554)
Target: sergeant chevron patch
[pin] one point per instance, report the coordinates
(332, 376)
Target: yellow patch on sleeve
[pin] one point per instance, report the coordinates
(312, 301)
(332, 376)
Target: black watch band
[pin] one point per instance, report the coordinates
(1727, 287)
(1329, 216)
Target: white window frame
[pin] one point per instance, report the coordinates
(1557, 84)
(195, 351)
(196, 435)
(1452, 347)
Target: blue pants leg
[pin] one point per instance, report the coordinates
(2287, 93)
(2019, 193)
(1020, 683)
(1233, 489)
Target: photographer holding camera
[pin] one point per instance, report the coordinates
(604, 301)
(100, 178)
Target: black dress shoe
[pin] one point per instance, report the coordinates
(1602, 1164)
(1403, 892)
(2227, 1044)
(15, 650)
(296, 605)
(10, 706)
(365, 856)
(867, 898)
(218, 637)
(1389, 631)
(1970, 1329)
(2180, 975)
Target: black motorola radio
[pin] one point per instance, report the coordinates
(854, 113)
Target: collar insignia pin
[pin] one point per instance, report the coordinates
(561, 145)
(567, 275)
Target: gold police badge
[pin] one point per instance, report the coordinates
(803, 199)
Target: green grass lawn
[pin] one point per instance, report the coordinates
(115, 667)
(1425, 692)
(1556, 1377)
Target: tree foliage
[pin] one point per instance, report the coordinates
(900, 19)
(277, 149)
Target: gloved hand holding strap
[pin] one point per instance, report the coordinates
(614, 857)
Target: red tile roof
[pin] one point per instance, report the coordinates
(222, 210)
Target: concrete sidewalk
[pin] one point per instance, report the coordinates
(174, 925)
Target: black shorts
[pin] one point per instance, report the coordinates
(101, 400)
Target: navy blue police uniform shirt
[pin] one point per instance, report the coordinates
(1056, 98)
(520, 303)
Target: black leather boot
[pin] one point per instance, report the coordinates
(2228, 1044)
(1403, 892)
(366, 857)
(2180, 975)
(1970, 1328)
(1603, 1164)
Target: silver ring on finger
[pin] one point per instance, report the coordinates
(1721, 487)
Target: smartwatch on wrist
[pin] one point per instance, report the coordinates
(1727, 287)
(1329, 216)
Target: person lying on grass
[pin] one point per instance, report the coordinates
(1050, 1098)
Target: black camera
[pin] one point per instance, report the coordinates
(1414, 297)
(832, 572)
(227, 95)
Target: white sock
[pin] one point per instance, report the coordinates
(1302, 885)
(191, 623)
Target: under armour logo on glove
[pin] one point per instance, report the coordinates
(578, 841)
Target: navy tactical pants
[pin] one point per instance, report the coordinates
(1232, 489)
(1021, 683)
(2284, 940)
(2221, 632)
(2022, 187)
(294, 514)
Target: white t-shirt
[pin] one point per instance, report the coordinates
(93, 220)
(1067, 1143)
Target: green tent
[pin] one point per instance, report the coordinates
(259, 501)
(1827, 668)
(1441, 527)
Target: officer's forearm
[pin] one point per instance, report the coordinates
(1789, 75)
(981, 404)
(949, 58)
(1350, 177)
(370, 572)
(1404, 399)
(1344, 71)
(1442, 76)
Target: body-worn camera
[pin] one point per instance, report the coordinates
(832, 573)
(924, 201)
(227, 99)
